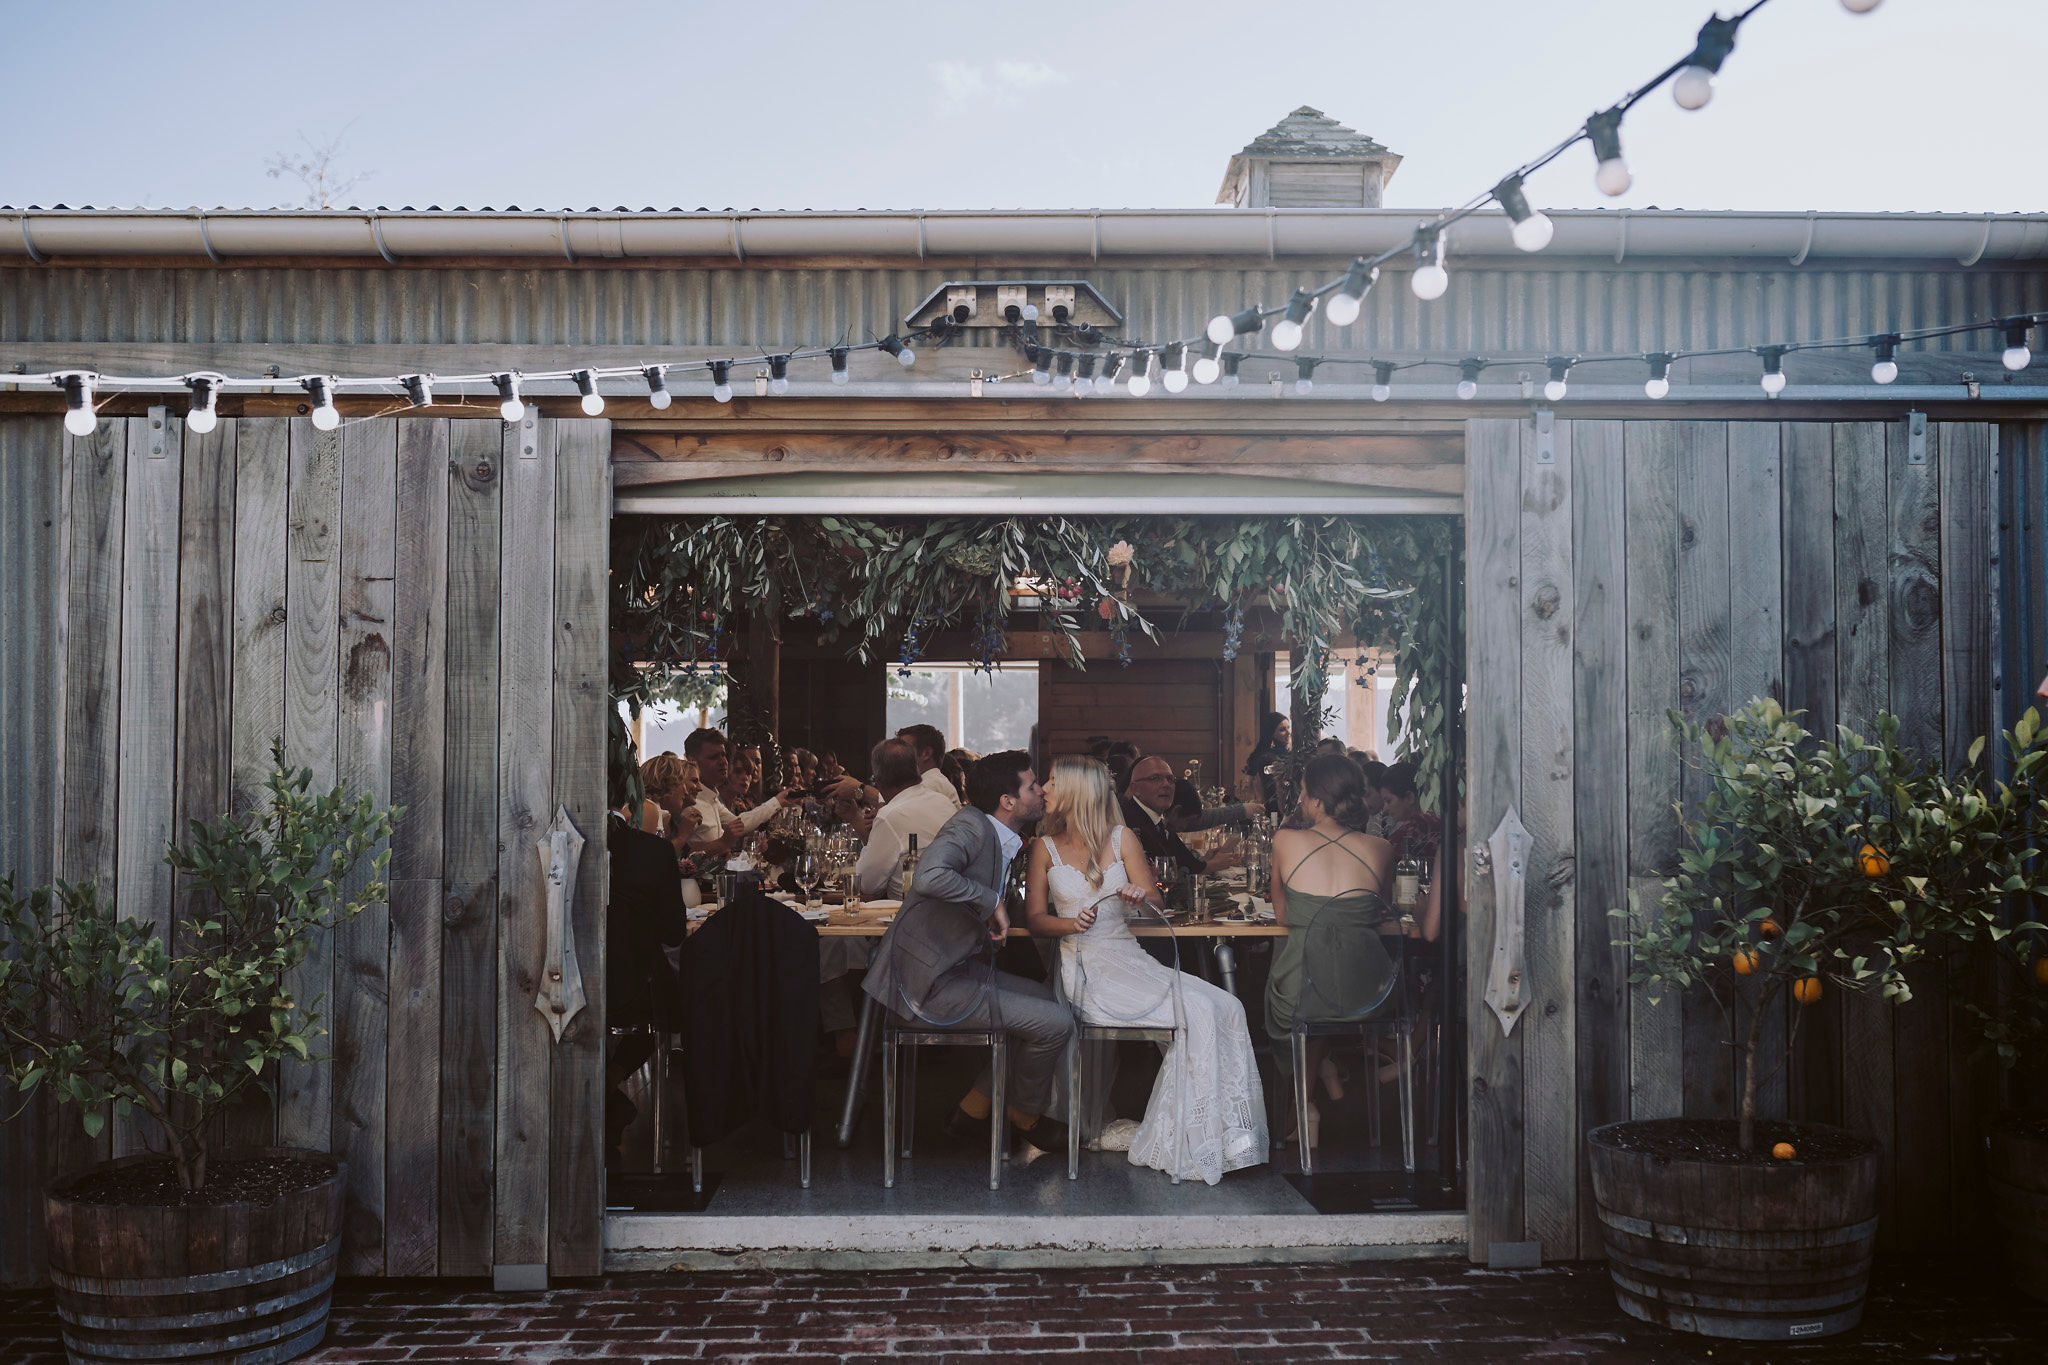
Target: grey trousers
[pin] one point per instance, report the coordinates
(1037, 1026)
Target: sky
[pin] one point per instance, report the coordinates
(1922, 105)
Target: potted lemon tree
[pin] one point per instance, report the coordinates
(1808, 866)
(192, 1249)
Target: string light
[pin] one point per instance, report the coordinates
(1532, 230)
(1659, 383)
(1468, 377)
(203, 416)
(1430, 279)
(511, 406)
(1230, 364)
(419, 389)
(1554, 391)
(2017, 356)
(778, 374)
(1694, 84)
(721, 380)
(326, 417)
(1041, 364)
(1141, 374)
(1084, 374)
(1774, 368)
(79, 418)
(1861, 6)
(1344, 305)
(1287, 332)
(658, 396)
(1063, 371)
(586, 384)
(893, 345)
(1611, 176)
(1305, 373)
(1207, 369)
(1176, 363)
(1224, 327)
(1111, 364)
(839, 374)
(1886, 367)
(1382, 380)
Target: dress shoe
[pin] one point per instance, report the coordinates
(962, 1127)
(1047, 1135)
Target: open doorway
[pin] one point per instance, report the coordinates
(1157, 659)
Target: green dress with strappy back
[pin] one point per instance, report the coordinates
(1366, 967)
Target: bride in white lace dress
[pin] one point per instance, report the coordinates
(1087, 878)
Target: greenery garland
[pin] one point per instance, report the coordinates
(685, 588)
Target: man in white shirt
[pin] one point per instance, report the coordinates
(909, 809)
(929, 743)
(721, 831)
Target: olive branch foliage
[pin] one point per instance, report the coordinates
(1844, 861)
(105, 1011)
(683, 590)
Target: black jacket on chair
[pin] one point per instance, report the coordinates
(750, 993)
(646, 911)
(1157, 839)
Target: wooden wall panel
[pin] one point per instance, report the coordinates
(1170, 707)
(1495, 1180)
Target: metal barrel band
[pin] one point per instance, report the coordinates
(214, 1318)
(313, 1320)
(1736, 1239)
(1675, 1296)
(199, 1284)
(2008, 1194)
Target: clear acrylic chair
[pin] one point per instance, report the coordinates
(1350, 985)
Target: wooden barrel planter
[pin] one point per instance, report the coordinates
(1761, 1252)
(243, 1282)
(2016, 1160)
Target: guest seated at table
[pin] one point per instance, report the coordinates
(1188, 815)
(1415, 831)
(1275, 736)
(1329, 745)
(1377, 823)
(721, 829)
(1146, 801)
(646, 912)
(671, 786)
(830, 770)
(955, 765)
(1330, 870)
(909, 810)
(741, 789)
(851, 804)
(930, 744)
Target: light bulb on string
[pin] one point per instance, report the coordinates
(1773, 380)
(1084, 374)
(1287, 332)
(1861, 6)
(839, 374)
(1468, 377)
(1382, 380)
(1555, 389)
(721, 380)
(511, 406)
(778, 374)
(1207, 369)
(1694, 84)
(1532, 230)
(1611, 176)
(1305, 373)
(1885, 368)
(1174, 361)
(1111, 364)
(1659, 383)
(1141, 374)
(658, 396)
(419, 389)
(1430, 279)
(1063, 371)
(893, 345)
(326, 417)
(1343, 306)
(2017, 356)
(203, 416)
(79, 418)
(1230, 364)
(1041, 364)
(1226, 326)
(586, 384)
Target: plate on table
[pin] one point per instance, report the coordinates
(818, 916)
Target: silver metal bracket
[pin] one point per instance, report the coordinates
(159, 432)
(529, 449)
(1546, 436)
(1916, 438)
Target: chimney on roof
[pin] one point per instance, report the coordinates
(1308, 160)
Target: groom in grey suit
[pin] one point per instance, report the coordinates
(930, 963)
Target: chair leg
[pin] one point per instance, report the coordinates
(1372, 1083)
(1407, 1102)
(906, 1112)
(889, 1046)
(999, 1113)
(696, 1170)
(1300, 1046)
(660, 1097)
(803, 1167)
(1074, 1050)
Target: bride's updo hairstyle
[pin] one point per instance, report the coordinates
(1336, 781)
(1082, 799)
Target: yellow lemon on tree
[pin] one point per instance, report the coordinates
(1784, 1151)
(1745, 961)
(2041, 971)
(1873, 861)
(1806, 989)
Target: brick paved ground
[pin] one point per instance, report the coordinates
(1430, 1310)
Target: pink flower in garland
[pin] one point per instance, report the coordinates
(1121, 554)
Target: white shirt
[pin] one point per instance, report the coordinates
(915, 810)
(1155, 816)
(1009, 838)
(717, 816)
(935, 781)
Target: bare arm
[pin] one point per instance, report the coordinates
(1139, 883)
(1283, 845)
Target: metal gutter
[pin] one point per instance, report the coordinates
(224, 236)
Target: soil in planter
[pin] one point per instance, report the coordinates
(1714, 1140)
(2030, 1125)
(230, 1179)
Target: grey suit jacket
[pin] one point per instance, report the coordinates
(946, 911)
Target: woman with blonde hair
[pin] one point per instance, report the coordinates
(1207, 1114)
(670, 810)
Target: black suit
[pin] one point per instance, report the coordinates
(646, 912)
(1157, 839)
(750, 977)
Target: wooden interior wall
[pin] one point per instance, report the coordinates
(1639, 567)
(1170, 707)
(834, 703)
(417, 607)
